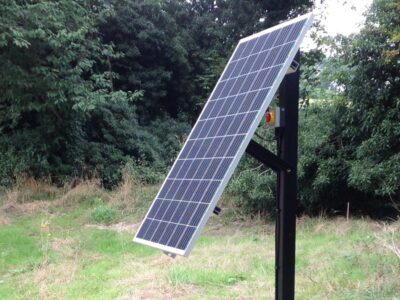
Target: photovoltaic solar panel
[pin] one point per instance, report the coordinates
(220, 136)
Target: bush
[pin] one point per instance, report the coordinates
(104, 214)
(93, 146)
(253, 186)
(321, 172)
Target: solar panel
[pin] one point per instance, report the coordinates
(220, 136)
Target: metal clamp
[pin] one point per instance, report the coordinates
(293, 67)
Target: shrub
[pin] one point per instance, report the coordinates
(104, 214)
(253, 185)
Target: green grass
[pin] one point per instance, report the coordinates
(104, 214)
(54, 255)
(203, 277)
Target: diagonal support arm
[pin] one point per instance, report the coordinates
(267, 157)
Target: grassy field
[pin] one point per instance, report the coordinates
(77, 244)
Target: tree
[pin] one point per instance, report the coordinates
(367, 70)
(53, 66)
(175, 50)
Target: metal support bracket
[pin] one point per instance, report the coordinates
(293, 67)
(217, 210)
(267, 157)
(172, 255)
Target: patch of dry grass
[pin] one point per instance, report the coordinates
(83, 191)
(132, 196)
(234, 258)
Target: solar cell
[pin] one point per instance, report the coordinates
(220, 136)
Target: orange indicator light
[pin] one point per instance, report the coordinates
(270, 118)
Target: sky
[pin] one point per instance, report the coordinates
(339, 16)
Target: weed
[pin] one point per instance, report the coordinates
(104, 214)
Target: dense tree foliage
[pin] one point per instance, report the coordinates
(91, 85)
(369, 76)
(87, 86)
(53, 68)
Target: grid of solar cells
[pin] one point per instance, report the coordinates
(216, 137)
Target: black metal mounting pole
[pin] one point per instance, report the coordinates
(285, 164)
(287, 188)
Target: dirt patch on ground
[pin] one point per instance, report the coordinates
(119, 227)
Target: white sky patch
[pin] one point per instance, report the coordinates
(339, 17)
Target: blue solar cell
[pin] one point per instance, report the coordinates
(258, 64)
(270, 58)
(248, 82)
(161, 210)
(238, 68)
(198, 214)
(196, 192)
(259, 79)
(229, 70)
(238, 84)
(283, 35)
(225, 124)
(235, 126)
(222, 168)
(187, 235)
(212, 130)
(170, 228)
(226, 106)
(180, 209)
(271, 39)
(208, 157)
(214, 145)
(217, 108)
(248, 120)
(181, 190)
(223, 149)
(152, 226)
(236, 104)
(176, 236)
(209, 174)
(194, 164)
(192, 187)
(170, 210)
(159, 231)
(247, 51)
(284, 53)
(154, 209)
(296, 30)
(232, 149)
(202, 149)
(238, 51)
(259, 46)
(249, 64)
(144, 228)
(190, 209)
(271, 76)
(203, 166)
(208, 193)
(258, 100)
(227, 88)
(207, 110)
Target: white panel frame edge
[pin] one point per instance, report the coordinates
(242, 148)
